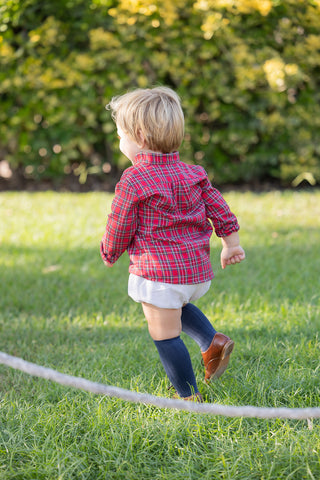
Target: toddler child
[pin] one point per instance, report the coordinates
(160, 214)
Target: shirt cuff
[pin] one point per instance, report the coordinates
(227, 231)
(107, 258)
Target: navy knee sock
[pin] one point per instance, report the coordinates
(176, 361)
(196, 325)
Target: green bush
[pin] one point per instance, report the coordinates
(247, 72)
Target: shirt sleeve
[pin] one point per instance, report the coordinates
(121, 224)
(218, 211)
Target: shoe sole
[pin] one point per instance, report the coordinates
(224, 360)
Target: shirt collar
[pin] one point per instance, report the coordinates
(156, 158)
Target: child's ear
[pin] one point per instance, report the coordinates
(142, 140)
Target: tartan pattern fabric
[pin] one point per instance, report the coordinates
(160, 215)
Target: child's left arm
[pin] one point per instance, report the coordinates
(121, 225)
(107, 264)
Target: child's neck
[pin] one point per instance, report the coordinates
(150, 152)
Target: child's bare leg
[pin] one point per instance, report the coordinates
(165, 328)
(163, 323)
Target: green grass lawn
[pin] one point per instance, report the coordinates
(62, 308)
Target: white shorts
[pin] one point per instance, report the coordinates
(164, 295)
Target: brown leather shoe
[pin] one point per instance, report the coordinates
(217, 357)
(197, 397)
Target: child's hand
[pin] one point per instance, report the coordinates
(232, 255)
(107, 264)
(103, 255)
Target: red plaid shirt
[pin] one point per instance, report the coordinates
(160, 214)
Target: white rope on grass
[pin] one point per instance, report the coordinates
(128, 395)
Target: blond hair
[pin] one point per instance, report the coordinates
(152, 113)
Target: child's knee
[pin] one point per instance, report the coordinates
(159, 333)
(163, 323)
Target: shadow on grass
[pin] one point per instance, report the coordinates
(50, 281)
(64, 309)
(56, 281)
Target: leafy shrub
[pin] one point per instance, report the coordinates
(247, 72)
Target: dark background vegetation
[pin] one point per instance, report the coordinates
(247, 72)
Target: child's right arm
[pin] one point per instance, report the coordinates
(225, 224)
(224, 221)
(231, 252)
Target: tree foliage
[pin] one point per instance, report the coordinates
(247, 72)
